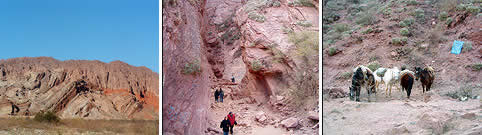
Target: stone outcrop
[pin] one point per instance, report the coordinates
(79, 88)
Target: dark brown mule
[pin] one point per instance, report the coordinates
(426, 76)
(406, 81)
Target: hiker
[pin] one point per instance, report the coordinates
(216, 95)
(232, 121)
(221, 94)
(13, 107)
(232, 78)
(225, 126)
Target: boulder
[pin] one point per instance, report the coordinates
(261, 117)
(313, 116)
(290, 123)
(470, 116)
(435, 121)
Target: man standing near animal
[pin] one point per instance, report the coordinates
(232, 121)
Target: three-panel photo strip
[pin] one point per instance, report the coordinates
(244, 67)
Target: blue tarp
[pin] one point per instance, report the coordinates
(457, 47)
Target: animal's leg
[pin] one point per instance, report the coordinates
(390, 90)
(358, 95)
(428, 86)
(423, 89)
(386, 89)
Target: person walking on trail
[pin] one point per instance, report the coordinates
(221, 94)
(225, 126)
(232, 78)
(216, 95)
(232, 121)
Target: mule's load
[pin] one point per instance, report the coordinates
(380, 72)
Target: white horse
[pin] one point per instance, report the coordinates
(390, 77)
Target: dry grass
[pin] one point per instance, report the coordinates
(147, 127)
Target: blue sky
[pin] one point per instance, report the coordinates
(105, 30)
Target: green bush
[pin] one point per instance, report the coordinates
(463, 94)
(443, 16)
(467, 46)
(341, 27)
(449, 21)
(48, 116)
(399, 41)
(304, 23)
(192, 67)
(373, 66)
(299, 3)
(476, 67)
(255, 65)
(369, 30)
(306, 42)
(447, 5)
(473, 9)
(345, 75)
(412, 2)
(366, 18)
(276, 4)
(407, 22)
(256, 17)
(419, 13)
(332, 51)
(404, 32)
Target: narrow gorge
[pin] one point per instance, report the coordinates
(270, 47)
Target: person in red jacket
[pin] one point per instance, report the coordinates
(232, 121)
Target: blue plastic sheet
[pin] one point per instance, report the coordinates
(457, 47)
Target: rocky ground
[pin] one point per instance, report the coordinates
(451, 107)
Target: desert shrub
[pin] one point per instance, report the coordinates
(304, 23)
(404, 32)
(467, 46)
(306, 43)
(192, 67)
(300, 3)
(412, 2)
(345, 75)
(476, 66)
(443, 16)
(404, 39)
(330, 17)
(373, 58)
(254, 5)
(276, 4)
(463, 93)
(366, 18)
(256, 17)
(332, 51)
(256, 65)
(48, 116)
(369, 30)
(407, 22)
(419, 13)
(341, 27)
(373, 66)
(447, 5)
(434, 36)
(449, 21)
(473, 9)
(399, 41)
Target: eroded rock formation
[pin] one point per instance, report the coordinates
(79, 88)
